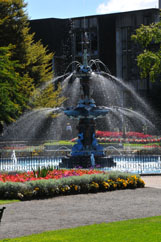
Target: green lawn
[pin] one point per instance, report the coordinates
(2, 202)
(139, 230)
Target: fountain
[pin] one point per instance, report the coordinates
(86, 152)
(13, 157)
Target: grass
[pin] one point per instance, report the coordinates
(2, 202)
(146, 229)
(68, 142)
(60, 142)
(141, 144)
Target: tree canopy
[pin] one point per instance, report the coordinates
(48, 98)
(34, 60)
(149, 60)
(12, 100)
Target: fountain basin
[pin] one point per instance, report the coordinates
(86, 109)
(85, 162)
(87, 112)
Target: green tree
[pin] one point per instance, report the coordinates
(35, 62)
(149, 60)
(12, 101)
(25, 66)
(49, 98)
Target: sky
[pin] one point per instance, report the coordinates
(38, 9)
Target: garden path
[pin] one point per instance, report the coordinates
(37, 216)
(152, 181)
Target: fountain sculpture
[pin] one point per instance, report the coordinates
(86, 152)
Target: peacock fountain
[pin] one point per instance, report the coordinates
(86, 152)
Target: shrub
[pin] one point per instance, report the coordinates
(69, 185)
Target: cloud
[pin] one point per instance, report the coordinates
(112, 6)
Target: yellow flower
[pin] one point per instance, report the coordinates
(105, 184)
(94, 184)
(67, 188)
(36, 188)
(124, 184)
(142, 181)
(114, 185)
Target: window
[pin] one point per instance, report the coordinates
(92, 22)
(93, 40)
(146, 20)
(84, 23)
(78, 42)
(76, 23)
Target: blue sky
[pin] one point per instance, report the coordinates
(37, 9)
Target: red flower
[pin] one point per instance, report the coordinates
(55, 174)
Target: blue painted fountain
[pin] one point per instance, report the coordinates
(86, 152)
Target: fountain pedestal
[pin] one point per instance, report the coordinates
(86, 143)
(87, 152)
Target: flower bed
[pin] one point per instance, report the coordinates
(127, 140)
(120, 134)
(131, 137)
(45, 174)
(81, 181)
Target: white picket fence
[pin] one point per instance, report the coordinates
(141, 164)
(28, 164)
(136, 164)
